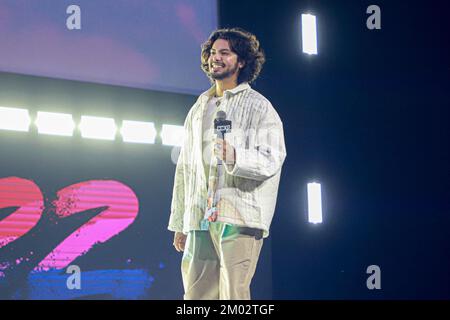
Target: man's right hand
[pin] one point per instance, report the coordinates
(179, 240)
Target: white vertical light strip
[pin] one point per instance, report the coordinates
(314, 203)
(172, 135)
(138, 131)
(14, 119)
(60, 124)
(98, 128)
(309, 34)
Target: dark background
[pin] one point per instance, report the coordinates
(367, 117)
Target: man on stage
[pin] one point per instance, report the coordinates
(228, 172)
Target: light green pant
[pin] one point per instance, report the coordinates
(219, 263)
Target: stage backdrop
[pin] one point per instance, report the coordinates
(85, 218)
(138, 43)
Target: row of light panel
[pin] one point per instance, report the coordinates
(131, 131)
(90, 127)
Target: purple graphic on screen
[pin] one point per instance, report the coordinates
(122, 207)
(136, 43)
(116, 201)
(26, 195)
(117, 207)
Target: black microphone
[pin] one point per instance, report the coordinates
(221, 125)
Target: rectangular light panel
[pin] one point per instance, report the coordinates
(172, 135)
(309, 34)
(98, 128)
(60, 124)
(314, 203)
(14, 119)
(138, 131)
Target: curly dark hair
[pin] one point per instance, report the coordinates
(245, 45)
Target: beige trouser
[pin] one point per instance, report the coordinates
(219, 263)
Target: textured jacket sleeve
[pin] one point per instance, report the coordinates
(263, 156)
(178, 195)
(177, 205)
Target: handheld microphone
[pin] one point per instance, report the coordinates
(221, 125)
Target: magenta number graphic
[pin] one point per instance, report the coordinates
(25, 194)
(120, 205)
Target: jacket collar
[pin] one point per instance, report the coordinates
(211, 91)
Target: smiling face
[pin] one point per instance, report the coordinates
(223, 63)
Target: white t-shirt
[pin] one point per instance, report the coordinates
(208, 131)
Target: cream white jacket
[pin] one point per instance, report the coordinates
(249, 193)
